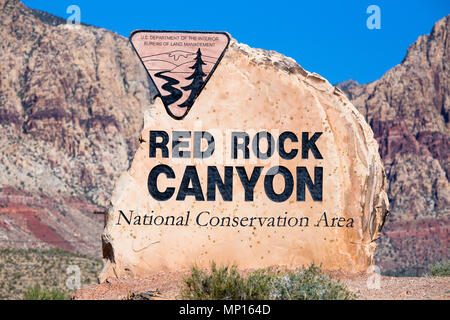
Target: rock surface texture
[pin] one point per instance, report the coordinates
(254, 89)
(70, 104)
(408, 110)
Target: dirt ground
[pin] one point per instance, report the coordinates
(400, 288)
(168, 284)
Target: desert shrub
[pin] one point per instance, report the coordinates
(227, 283)
(309, 284)
(440, 269)
(36, 293)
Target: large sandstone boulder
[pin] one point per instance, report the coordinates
(254, 90)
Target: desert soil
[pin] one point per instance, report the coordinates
(168, 284)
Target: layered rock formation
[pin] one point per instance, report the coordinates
(408, 110)
(70, 104)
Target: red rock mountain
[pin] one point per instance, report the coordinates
(69, 104)
(408, 110)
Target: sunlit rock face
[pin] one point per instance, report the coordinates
(70, 104)
(294, 177)
(408, 110)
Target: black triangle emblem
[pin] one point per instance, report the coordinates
(180, 63)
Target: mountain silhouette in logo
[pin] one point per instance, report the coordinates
(176, 62)
(179, 70)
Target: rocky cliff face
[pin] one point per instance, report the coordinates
(69, 104)
(408, 110)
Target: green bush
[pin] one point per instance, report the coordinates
(309, 284)
(440, 269)
(228, 284)
(225, 283)
(36, 293)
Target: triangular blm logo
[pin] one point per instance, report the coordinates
(180, 63)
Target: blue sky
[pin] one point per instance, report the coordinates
(327, 37)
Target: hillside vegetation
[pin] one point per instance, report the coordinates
(36, 272)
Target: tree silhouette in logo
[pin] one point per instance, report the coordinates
(197, 80)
